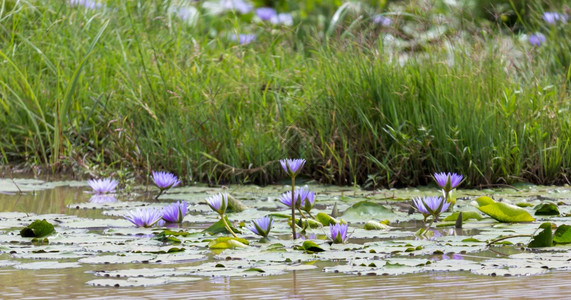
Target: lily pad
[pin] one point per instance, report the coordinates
(38, 229)
(562, 235)
(547, 209)
(367, 210)
(374, 225)
(219, 227)
(466, 215)
(544, 238)
(506, 213)
(140, 282)
(228, 243)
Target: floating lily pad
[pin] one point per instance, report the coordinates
(466, 215)
(562, 235)
(506, 213)
(544, 238)
(38, 229)
(547, 209)
(367, 210)
(42, 265)
(374, 225)
(140, 282)
(228, 243)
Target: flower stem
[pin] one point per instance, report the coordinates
(293, 207)
(161, 191)
(507, 237)
(301, 213)
(227, 226)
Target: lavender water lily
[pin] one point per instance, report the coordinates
(219, 203)
(164, 181)
(292, 167)
(175, 212)
(261, 226)
(144, 217)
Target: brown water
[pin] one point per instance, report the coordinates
(312, 284)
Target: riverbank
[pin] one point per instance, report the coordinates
(128, 88)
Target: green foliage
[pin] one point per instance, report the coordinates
(544, 238)
(311, 247)
(228, 243)
(562, 235)
(503, 212)
(326, 219)
(546, 209)
(374, 225)
(466, 215)
(365, 209)
(219, 227)
(37, 229)
(135, 87)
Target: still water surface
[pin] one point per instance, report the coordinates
(311, 284)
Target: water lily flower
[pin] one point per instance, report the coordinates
(536, 39)
(175, 212)
(338, 233)
(144, 217)
(218, 203)
(165, 180)
(286, 199)
(307, 199)
(282, 19)
(431, 206)
(103, 186)
(551, 17)
(102, 199)
(382, 20)
(261, 226)
(292, 166)
(265, 13)
(448, 181)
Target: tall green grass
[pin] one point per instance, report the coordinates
(133, 88)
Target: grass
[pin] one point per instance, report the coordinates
(133, 88)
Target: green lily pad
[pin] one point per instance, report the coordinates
(466, 215)
(219, 227)
(374, 225)
(140, 282)
(366, 210)
(38, 229)
(311, 246)
(505, 212)
(228, 243)
(326, 219)
(562, 235)
(544, 238)
(485, 200)
(547, 209)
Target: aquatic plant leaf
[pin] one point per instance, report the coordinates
(326, 219)
(547, 209)
(219, 227)
(228, 243)
(367, 210)
(466, 215)
(485, 200)
(38, 229)
(374, 225)
(506, 213)
(140, 282)
(42, 265)
(311, 246)
(235, 205)
(562, 235)
(544, 238)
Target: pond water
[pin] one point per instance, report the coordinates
(97, 254)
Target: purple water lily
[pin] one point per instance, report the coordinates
(265, 13)
(431, 206)
(448, 181)
(261, 226)
(286, 198)
(103, 186)
(338, 233)
(292, 166)
(218, 203)
(175, 212)
(536, 39)
(165, 180)
(307, 199)
(144, 217)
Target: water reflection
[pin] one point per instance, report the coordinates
(100, 199)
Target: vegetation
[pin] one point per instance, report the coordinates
(135, 86)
